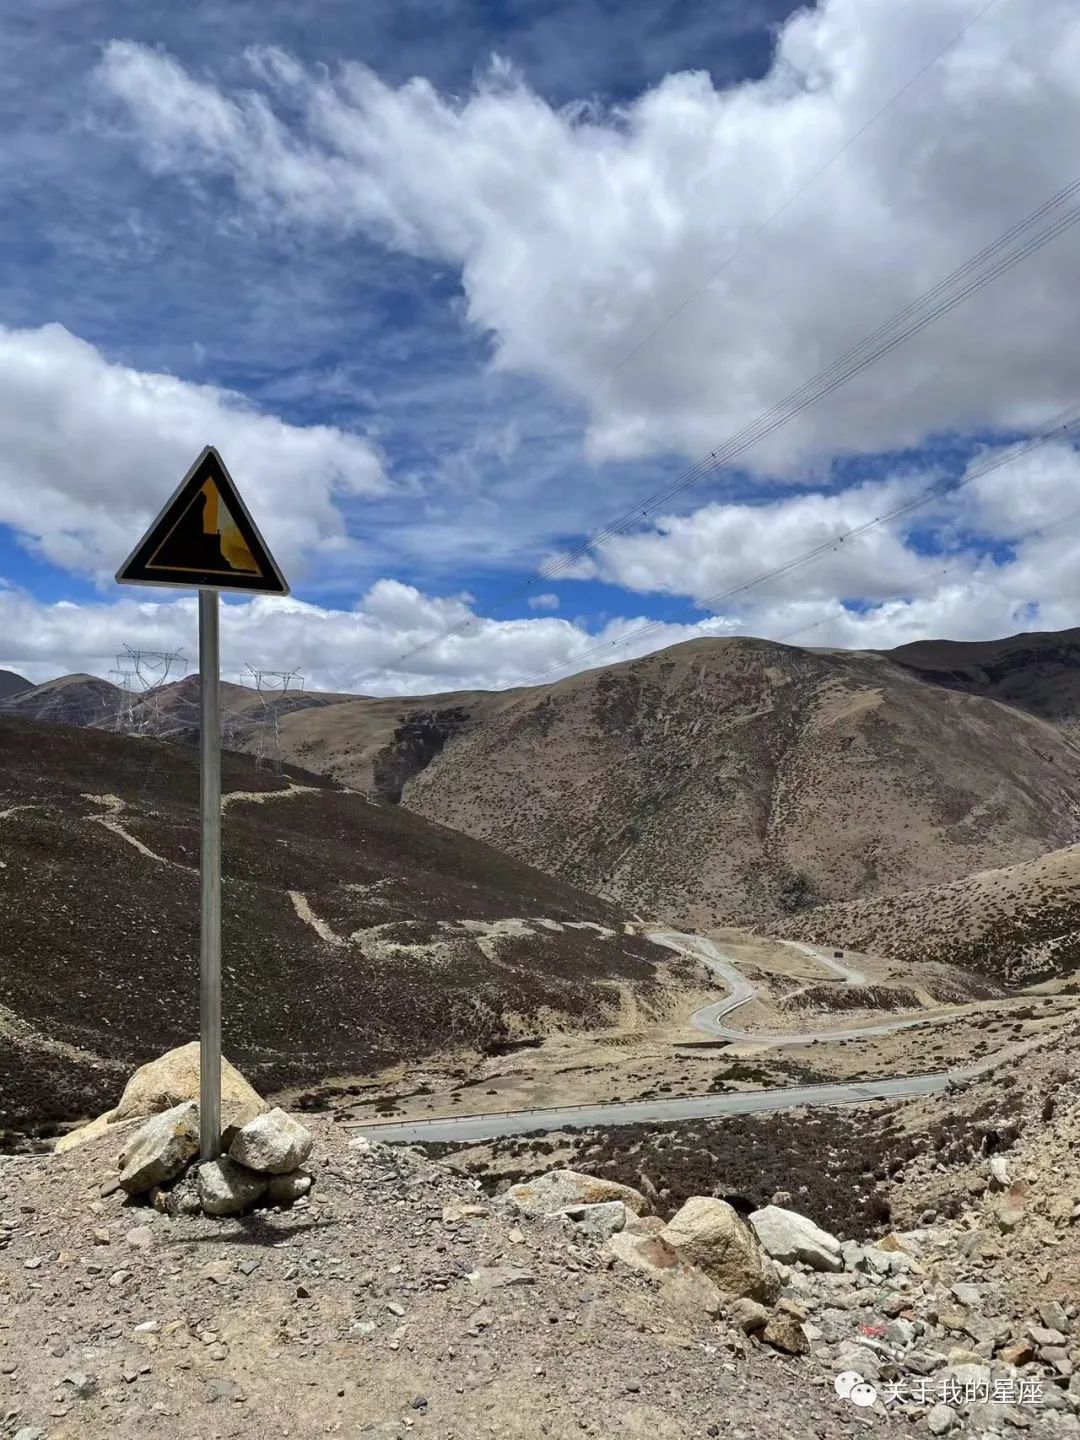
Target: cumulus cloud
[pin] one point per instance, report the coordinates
(721, 547)
(576, 231)
(1033, 583)
(544, 602)
(354, 650)
(92, 448)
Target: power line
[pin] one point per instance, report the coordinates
(935, 580)
(994, 260)
(965, 281)
(1058, 427)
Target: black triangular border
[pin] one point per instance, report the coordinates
(209, 466)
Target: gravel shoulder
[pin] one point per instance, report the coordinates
(355, 1313)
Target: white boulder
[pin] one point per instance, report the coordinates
(273, 1143)
(788, 1236)
(226, 1188)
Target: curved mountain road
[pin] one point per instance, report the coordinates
(741, 991)
(495, 1124)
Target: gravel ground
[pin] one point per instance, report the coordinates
(366, 1310)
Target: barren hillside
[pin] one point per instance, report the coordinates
(12, 684)
(741, 779)
(1039, 672)
(353, 932)
(69, 700)
(718, 781)
(1019, 924)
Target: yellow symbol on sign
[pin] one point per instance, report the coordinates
(205, 538)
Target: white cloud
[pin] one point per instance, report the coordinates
(349, 650)
(723, 546)
(576, 231)
(92, 449)
(1035, 585)
(544, 602)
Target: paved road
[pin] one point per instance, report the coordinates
(750, 1102)
(656, 1112)
(741, 991)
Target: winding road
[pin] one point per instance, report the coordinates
(740, 991)
(749, 1102)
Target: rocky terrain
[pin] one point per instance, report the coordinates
(353, 933)
(397, 1298)
(956, 1215)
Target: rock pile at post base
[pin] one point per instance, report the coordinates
(264, 1162)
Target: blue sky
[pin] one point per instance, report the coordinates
(414, 276)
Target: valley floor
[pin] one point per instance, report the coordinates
(791, 1015)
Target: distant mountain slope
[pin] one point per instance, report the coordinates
(716, 781)
(1019, 924)
(11, 684)
(1039, 673)
(354, 933)
(69, 700)
(378, 745)
(741, 779)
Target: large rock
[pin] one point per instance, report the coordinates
(597, 1221)
(273, 1143)
(749, 1315)
(226, 1188)
(647, 1253)
(286, 1189)
(92, 1130)
(556, 1190)
(166, 1082)
(174, 1077)
(160, 1149)
(788, 1236)
(708, 1233)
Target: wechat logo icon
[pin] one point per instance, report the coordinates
(851, 1386)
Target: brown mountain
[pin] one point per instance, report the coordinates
(1019, 924)
(741, 779)
(1039, 673)
(354, 933)
(69, 700)
(719, 780)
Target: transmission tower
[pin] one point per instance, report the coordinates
(123, 717)
(148, 672)
(270, 685)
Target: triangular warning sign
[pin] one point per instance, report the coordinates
(204, 539)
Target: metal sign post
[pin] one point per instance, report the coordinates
(210, 878)
(205, 539)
